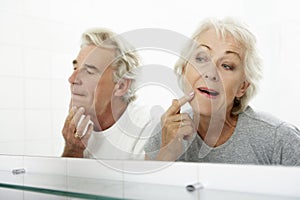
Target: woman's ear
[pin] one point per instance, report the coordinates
(243, 88)
(122, 87)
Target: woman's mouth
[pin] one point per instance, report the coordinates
(210, 93)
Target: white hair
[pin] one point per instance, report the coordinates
(126, 59)
(251, 61)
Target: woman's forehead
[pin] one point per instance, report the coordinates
(210, 41)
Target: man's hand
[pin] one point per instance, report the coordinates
(75, 138)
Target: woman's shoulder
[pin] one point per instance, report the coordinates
(263, 119)
(260, 117)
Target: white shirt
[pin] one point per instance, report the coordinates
(126, 138)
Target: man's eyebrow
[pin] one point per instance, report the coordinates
(91, 67)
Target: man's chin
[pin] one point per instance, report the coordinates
(76, 104)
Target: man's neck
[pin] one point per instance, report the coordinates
(110, 116)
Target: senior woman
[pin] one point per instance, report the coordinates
(219, 71)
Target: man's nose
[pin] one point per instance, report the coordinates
(74, 78)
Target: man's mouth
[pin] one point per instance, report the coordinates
(208, 92)
(77, 94)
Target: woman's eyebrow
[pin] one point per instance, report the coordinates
(203, 45)
(226, 52)
(234, 53)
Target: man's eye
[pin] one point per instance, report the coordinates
(89, 72)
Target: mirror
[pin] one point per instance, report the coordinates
(40, 39)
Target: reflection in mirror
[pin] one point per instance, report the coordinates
(40, 42)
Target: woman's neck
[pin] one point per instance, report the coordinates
(215, 130)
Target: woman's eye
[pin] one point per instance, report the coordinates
(227, 67)
(201, 59)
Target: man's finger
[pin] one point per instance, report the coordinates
(71, 113)
(177, 103)
(78, 115)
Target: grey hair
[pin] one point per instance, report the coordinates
(251, 62)
(126, 59)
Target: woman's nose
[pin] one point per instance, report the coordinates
(211, 73)
(211, 76)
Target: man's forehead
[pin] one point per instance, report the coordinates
(95, 55)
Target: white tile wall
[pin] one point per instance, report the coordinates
(45, 172)
(39, 196)
(78, 12)
(39, 147)
(45, 165)
(13, 129)
(9, 162)
(12, 92)
(152, 172)
(38, 124)
(37, 63)
(38, 9)
(37, 93)
(14, 6)
(12, 147)
(11, 28)
(11, 194)
(37, 33)
(60, 94)
(11, 60)
(61, 63)
(90, 168)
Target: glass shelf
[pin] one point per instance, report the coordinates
(50, 192)
(89, 188)
(56, 178)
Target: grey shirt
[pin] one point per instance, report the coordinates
(258, 138)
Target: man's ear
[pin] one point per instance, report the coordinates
(122, 87)
(243, 88)
(183, 69)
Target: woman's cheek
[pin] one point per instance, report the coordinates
(188, 83)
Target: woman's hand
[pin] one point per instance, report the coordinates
(176, 127)
(75, 138)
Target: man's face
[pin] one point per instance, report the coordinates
(92, 80)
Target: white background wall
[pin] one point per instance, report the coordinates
(40, 38)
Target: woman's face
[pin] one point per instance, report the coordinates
(215, 73)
